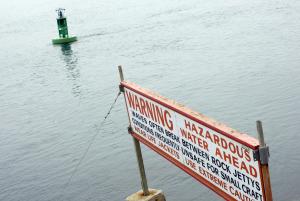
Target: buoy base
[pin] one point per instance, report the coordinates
(64, 40)
(155, 195)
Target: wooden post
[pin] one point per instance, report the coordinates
(141, 166)
(264, 155)
(121, 73)
(138, 152)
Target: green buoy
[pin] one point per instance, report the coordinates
(62, 29)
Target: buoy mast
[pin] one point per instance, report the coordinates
(62, 27)
(62, 23)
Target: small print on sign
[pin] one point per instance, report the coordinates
(224, 164)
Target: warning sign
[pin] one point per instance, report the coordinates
(214, 154)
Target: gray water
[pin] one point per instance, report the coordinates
(235, 61)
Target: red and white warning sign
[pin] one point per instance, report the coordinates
(214, 154)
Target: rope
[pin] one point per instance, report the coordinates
(90, 143)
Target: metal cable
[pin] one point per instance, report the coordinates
(90, 143)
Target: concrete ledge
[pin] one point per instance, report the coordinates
(155, 195)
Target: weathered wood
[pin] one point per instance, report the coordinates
(138, 152)
(264, 167)
(154, 195)
(141, 166)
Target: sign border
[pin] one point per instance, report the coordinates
(179, 108)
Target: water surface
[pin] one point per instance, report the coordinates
(235, 61)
